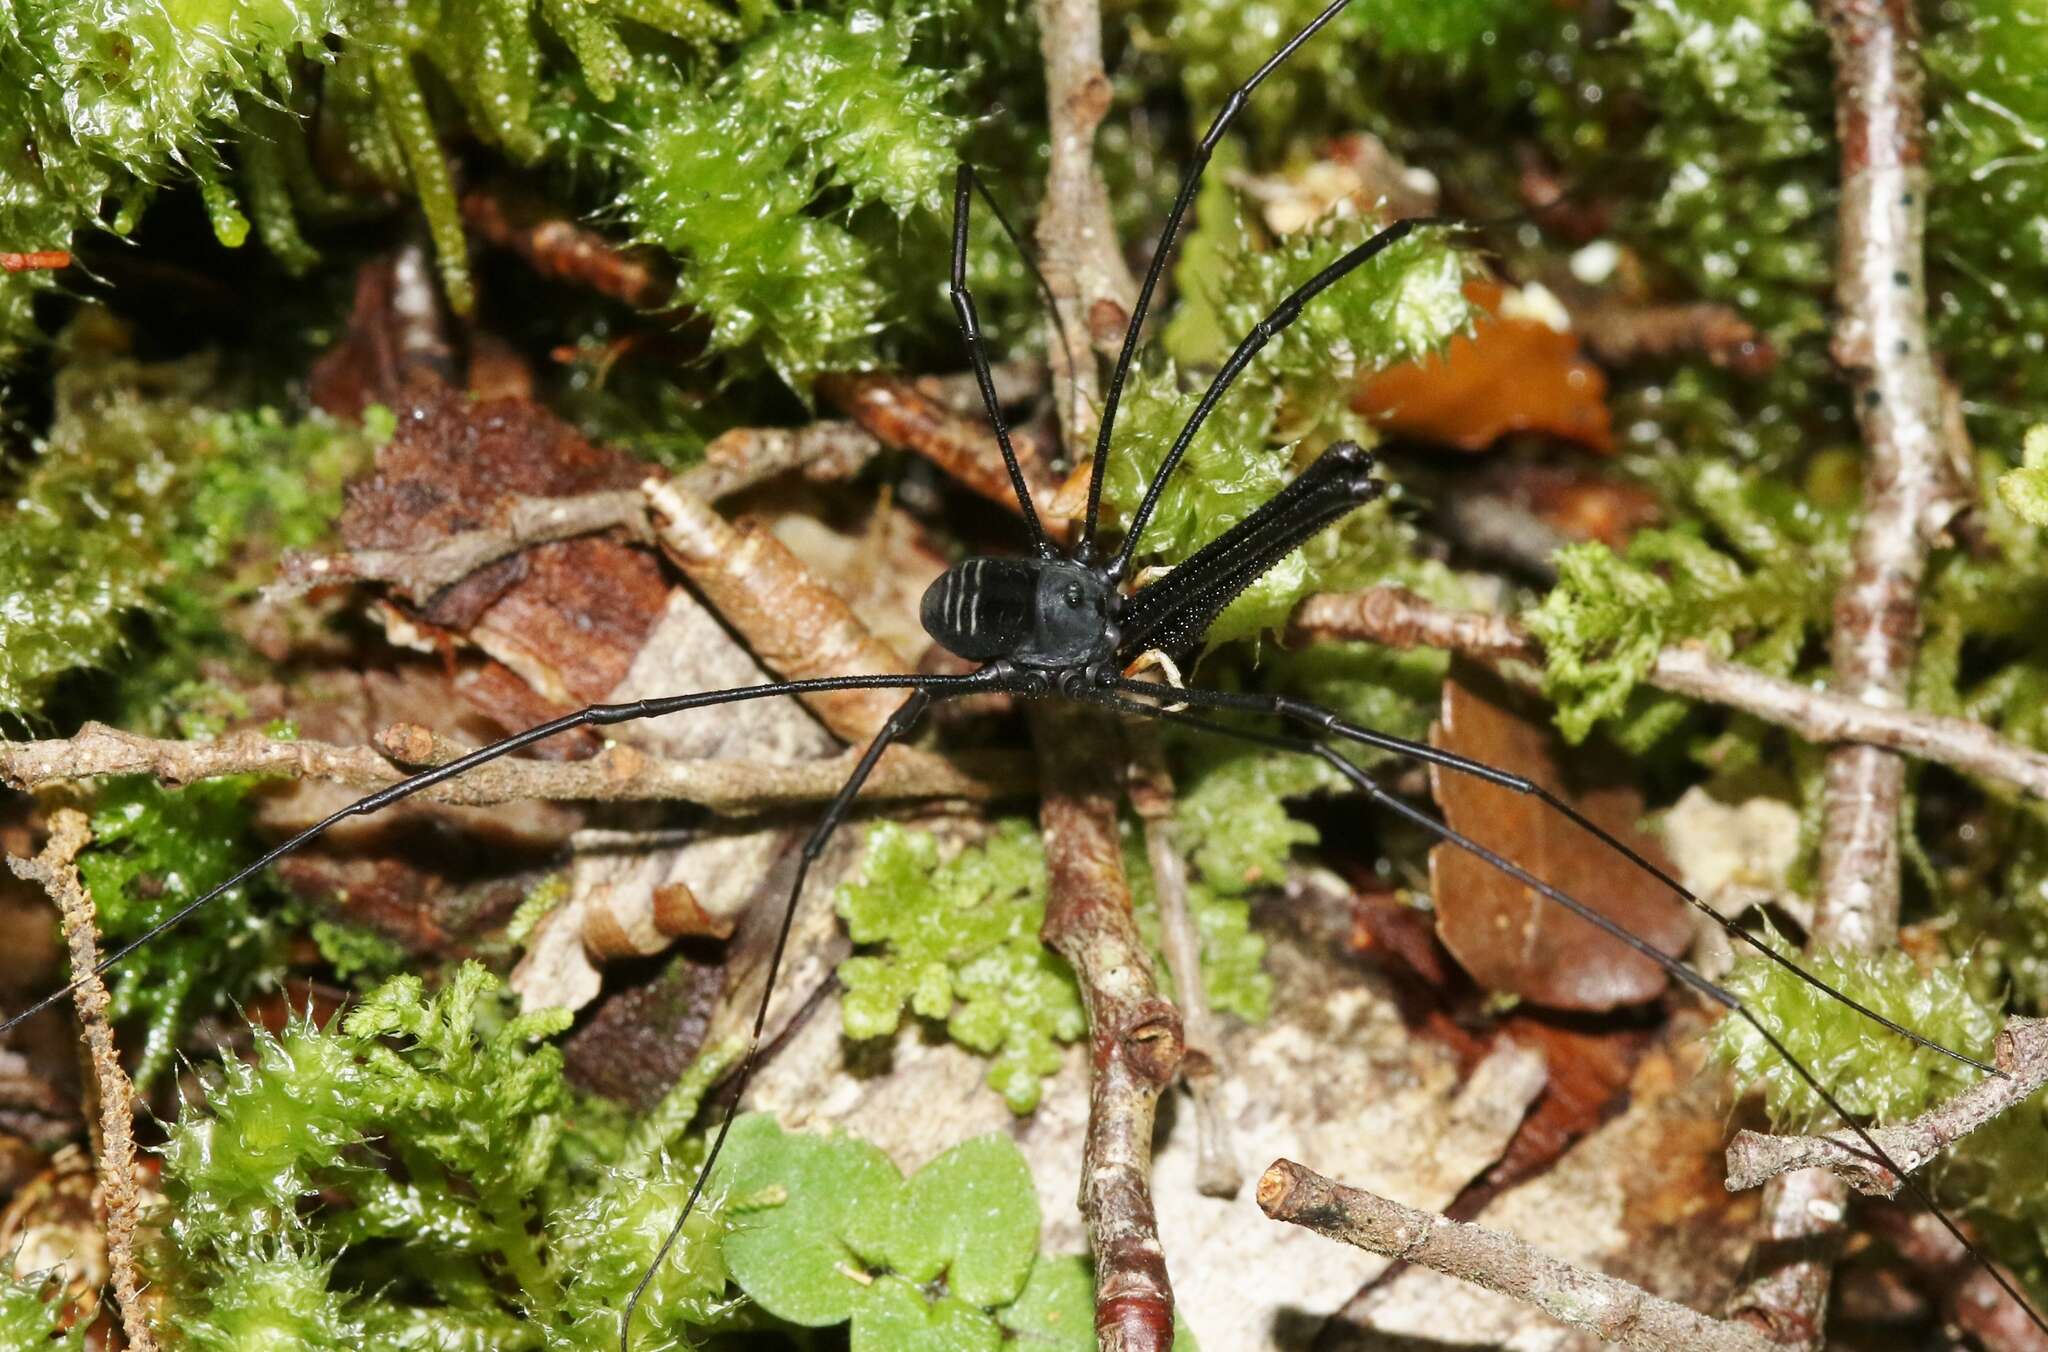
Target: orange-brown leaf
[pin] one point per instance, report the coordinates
(1511, 375)
(1506, 935)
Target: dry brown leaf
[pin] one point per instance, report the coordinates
(1515, 374)
(1507, 936)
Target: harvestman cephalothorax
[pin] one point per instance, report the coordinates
(1048, 625)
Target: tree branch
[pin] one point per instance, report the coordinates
(1134, 1034)
(1604, 1306)
(1400, 619)
(618, 774)
(2022, 1052)
(54, 868)
(1881, 342)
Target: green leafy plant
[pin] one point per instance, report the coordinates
(26, 1320)
(1757, 597)
(825, 1230)
(466, 1207)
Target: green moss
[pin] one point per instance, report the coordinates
(1755, 593)
(138, 502)
(2025, 490)
(724, 176)
(1870, 1073)
(29, 1321)
(956, 939)
(435, 1126)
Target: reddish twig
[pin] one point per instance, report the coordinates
(35, 260)
(1134, 1034)
(558, 248)
(120, 1199)
(1607, 1307)
(1399, 618)
(899, 414)
(1619, 333)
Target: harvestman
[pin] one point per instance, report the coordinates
(1054, 626)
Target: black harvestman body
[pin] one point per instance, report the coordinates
(1048, 625)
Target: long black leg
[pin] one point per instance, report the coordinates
(1263, 332)
(1232, 106)
(1727, 999)
(977, 354)
(899, 723)
(1052, 304)
(1324, 720)
(597, 715)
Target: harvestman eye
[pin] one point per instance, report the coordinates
(1170, 615)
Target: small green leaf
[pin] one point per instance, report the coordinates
(894, 1316)
(794, 1254)
(973, 1215)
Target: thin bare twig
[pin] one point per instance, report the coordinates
(1092, 287)
(1607, 1307)
(1881, 343)
(418, 574)
(1399, 618)
(1218, 1173)
(120, 1199)
(1134, 1034)
(746, 456)
(617, 774)
(1619, 333)
(2022, 1053)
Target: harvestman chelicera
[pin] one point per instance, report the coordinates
(1052, 626)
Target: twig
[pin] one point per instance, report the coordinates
(1881, 342)
(1619, 333)
(418, 574)
(733, 461)
(1607, 1307)
(1092, 288)
(1401, 619)
(558, 248)
(618, 774)
(1134, 1034)
(799, 627)
(900, 414)
(35, 260)
(1218, 1173)
(119, 1197)
(2022, 1052)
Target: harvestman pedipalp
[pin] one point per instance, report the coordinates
(1054, 626)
